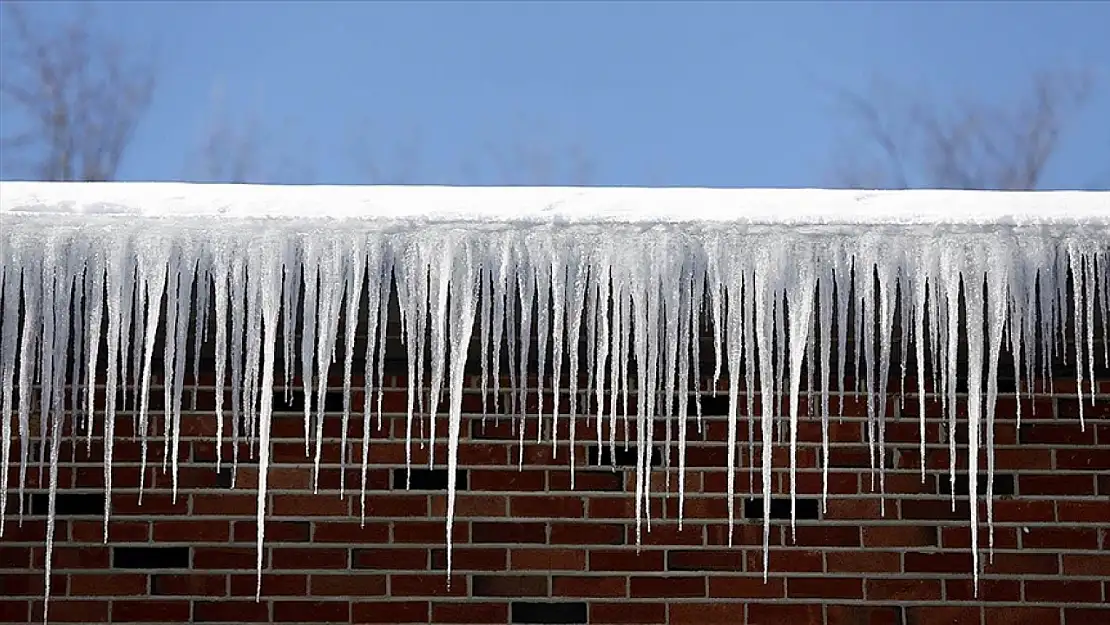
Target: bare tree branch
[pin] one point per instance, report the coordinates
(81, 97)
(971, 145)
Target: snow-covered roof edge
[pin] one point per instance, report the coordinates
(568, 205)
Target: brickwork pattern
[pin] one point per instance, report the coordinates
(530, 549)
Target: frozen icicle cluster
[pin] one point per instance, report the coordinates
(92, 274)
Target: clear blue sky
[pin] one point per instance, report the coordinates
(674, 93)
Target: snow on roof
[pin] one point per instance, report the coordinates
(560, 205)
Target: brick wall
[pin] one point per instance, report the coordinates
(529, 549)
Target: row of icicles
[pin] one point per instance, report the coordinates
(779, 309)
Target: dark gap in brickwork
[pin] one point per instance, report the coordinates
(427, 479)
(333, 400)
(714, 406)
(621, 456)
(223, 477)
(150, 557)
(536, 613)
(1003, 484)
(807, 509)
(68, 504)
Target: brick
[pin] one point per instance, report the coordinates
(309, 558)
(915, 589)
(940, 562)
(1055, 485)
(509, 586)
(568, 586)
(350, 532)
(347, 584)
(863, 561)
(625, 560)
(67, 611)
(189, 584)
(694, 560)
(466, 613)
(390, 613)
(1086, 616)
(214, 531)
(427, 585)
(1083, 511)
(1095, 565)
(942, 615)
(273, 585)
(390, 558)
(471, 559)
(548, 559)
(824, 588)
(900, 536)
(1062, 538)
(101, 585)
(862, 615)
(311, 505)
(1064, 591)
(730, 587)
(509, 533)
(769, 614)
(587, 534)
(546, 507)
(989, 590)
(625, 613)
(667, 587)
(1023, 615)
(709, 614)
(159, 611)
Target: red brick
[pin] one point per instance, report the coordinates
(709, 614)
(311, 611)
(391, 613)
(548, 559)
(224, 558)
(942, 615)
(471, 559)
(1083, 511)
(478, 613)
(471, 506)
(863, 562)
(667, 587)
(938, 562)
(312, 505)
(509, 532)
(101, 585)
(824, 588)
(221, 505)
(900, 536)
(1063, 591)
(12, 611)
(1023, 615)
(786, 561)
(626, 613)
(276, 531)
(308, 558)
(989, 590)
(427, 585)
(509, 586)
(350, 532)
(1062, 538)
(626, 560)
(1093, 565)
(160, 611)
(395, 558)
(862, 615)
(1086, 616)
(774, 614)
(213, 531)
(727, 560)
(915, 589)
(546, 507)
(494, 480)
(587, 534)
(1055, 484)
(184, 584)
(568, 586)
(272, 585)
(1021, 563)
(729, 587)
(348, 584)
(434, 532)
(65, 611)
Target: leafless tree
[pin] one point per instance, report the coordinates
(79, 93)
(914, 142)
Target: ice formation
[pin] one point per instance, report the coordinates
(92, 273)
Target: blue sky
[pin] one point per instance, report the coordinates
(659, 93)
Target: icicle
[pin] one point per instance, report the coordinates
(825, 312)
(354, 268)
(800, 299)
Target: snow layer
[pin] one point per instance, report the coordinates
(90, 273)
